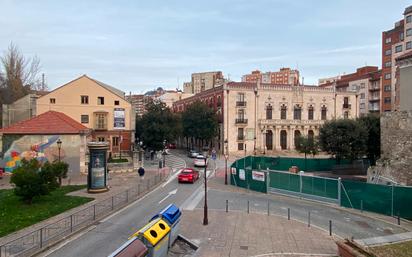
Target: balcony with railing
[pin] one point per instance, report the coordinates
(373, 98)
(374, 87)
(240, 137)
(241, 121)
(100, 121)
(280, 122)
(346, 106)
(240, 104)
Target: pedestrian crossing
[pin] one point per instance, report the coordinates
(176, 163)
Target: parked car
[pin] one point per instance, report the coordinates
(200, 161)
(171, 146)
(188, 175)
(192, 154)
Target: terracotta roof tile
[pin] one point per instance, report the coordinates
(47, 123)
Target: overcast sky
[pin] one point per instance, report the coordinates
(138, 45)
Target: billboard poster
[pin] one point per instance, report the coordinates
(258, 175)
(242, 174)
(119, 118)
(98, 169)
(233, 171)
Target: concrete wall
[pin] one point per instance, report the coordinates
(44, 148)
(406, 88)
(396, 146)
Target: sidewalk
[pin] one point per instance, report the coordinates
(119, 182)
(240, 234)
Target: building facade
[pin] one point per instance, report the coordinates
(267, 118)
(138, 103)
(284, 76)
(22, 109)
(366, 82)
(172, 96)
(404, 63)
(203, 81)
(96, 105)
(395, 42)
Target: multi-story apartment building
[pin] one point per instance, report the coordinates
(138, 103)
(97, 106)
(203, 81)
(329, 80)
(264, 118)
(171, 96)
(366, 82)
(284, 76)
(395, 42)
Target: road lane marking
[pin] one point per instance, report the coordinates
(171, 178)
(173, 192)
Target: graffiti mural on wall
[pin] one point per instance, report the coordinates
(43, 149)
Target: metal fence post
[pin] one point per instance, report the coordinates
(392, 202)
(41, 238)
(361, 205)
(330, 227)
(288, 213)
(71, 223)
(339, 191)
(227, 205)
(300, 184)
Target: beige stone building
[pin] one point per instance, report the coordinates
(267, 117)
(172, 96)
(97, 106)
(21, 109)
(203, 81)
(264, 118)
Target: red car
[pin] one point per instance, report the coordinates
(171, 146)
(188, 175)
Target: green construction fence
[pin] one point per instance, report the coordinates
(264, 173)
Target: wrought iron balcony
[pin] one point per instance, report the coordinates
(241, 121)
(240, 104)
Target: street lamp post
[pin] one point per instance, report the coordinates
(205, 219)
(59, 146)
(164, 153)
(226, 157)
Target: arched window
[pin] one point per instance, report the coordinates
(324, 111)
(311, 135)
(310, 113)
(297, 113)
(283, 110)
(297, 135)
(283, 139)
(269, 112)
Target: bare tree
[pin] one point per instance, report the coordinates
(21, 74)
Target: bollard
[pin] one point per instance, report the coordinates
(288, 213)
(309, 219)
(94, 212)
(138, 189)
(361, 205)
(112, 203)
(268, 209)
(248, 206)
(330, 227)
(127, 195)
(399, 220)
(227, 205)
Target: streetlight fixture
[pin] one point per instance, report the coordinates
(226, 157)
(59, 146)
(205, 219)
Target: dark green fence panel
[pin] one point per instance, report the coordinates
(322, 187)
(402, 204)
(285, 181)
(369, 197)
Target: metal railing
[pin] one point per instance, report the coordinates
(241, 121)
(35, 241)
(241, 104)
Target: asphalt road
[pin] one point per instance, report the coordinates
(113, 231)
